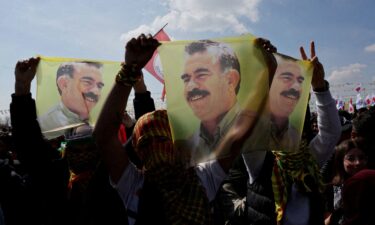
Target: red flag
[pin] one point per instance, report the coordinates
(163, 94)
(368, 100)
(153, 66)
(358, 88)
(351, 108)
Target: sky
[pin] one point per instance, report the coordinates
(343, 31)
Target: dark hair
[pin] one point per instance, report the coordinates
(281, 58)
(363, 124)
(68, 69)
(224, 53)
(340, 151)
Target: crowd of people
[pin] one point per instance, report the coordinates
(128, 170)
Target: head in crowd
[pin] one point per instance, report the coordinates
(363, 125)
(80, 80)
(80, 149)
(286, 87)
(179, 191)
(152, 140)
(350, 158)
(211, 78)
(345, 117)
(358, 198)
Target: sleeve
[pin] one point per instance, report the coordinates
(211, 176)
(322, 145)
(31, 147)
(128, 187)
(47, 172)
(143, 103)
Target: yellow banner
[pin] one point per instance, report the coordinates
(217, 97)
(71, 92)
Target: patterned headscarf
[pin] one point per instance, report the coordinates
(152, 139)
(183, 198)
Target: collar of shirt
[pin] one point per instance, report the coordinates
(225, 123)
(69, 114)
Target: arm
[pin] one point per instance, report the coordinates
(138, 52)
(47, 173)
(249, 121)
(322, 145)
(143, 103)
(26, 130)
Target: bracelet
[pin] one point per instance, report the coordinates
(128, 75)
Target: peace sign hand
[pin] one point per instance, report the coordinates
(317, 81)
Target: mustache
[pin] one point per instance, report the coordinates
(291, 92)
(195, 92)
(91, 95)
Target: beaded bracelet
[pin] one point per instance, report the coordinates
(128, 75)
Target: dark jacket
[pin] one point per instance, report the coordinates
(258, 206)
(44, 194)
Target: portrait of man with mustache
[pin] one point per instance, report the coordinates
(285, 92)
(211, 78)
(79, 85)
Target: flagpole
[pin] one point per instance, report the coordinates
(160, 29)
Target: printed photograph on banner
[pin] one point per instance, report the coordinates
(70, 92)
(217, 92)
(288, 101)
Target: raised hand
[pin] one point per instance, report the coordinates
(266, 44)
(24, 73)
(269, 49)
(317, 81)
(140, 50)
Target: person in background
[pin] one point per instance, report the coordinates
(362, 126)
(358, 198)
(163, 189)
(44, 195)
(350, 158)
(267, 187)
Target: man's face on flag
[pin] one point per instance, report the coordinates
(82, 91)
(207, 89)
(286, 88)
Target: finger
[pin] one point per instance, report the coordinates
(272, 49)
(145, 41)
(141, 38)
(151, 39)
(312, 49)
(303, 53)
(34, 64)
(131, 43)
(23, 65)
(19, 64)
(314, 59)
(156, 43)
(34, 60)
